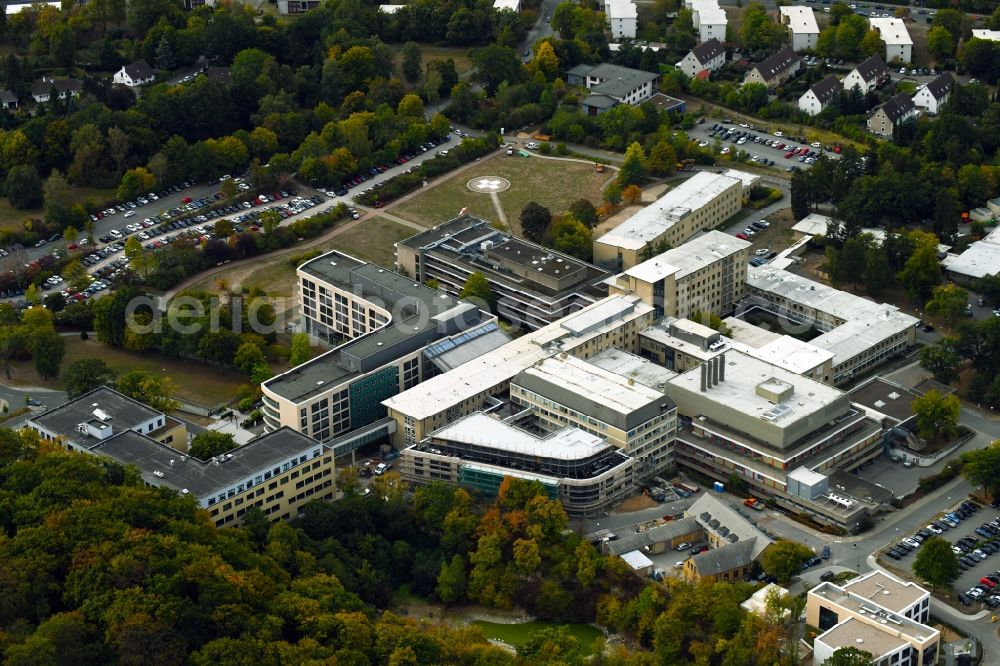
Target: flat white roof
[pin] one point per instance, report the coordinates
(607, 388)
(636, 560)
(801, 20)
(498, 366)
(806, 476)
(865, 322)
(18, 8)
(990, 35)
(692, 256)
(748, 179)
(512, 5)
(632, 366)
(980, 259)
(787, 352)
(709, 11)
(653, 220)
(661, 333)
(483, 430)
(892, 30)
(744, 373)
(812, 224)
(620, 9)
(390, 9)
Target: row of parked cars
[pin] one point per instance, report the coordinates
(947, 521)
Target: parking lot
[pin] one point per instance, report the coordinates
(975, 539)
(765, 149)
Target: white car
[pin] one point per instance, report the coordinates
(702, 144)
(683, 546)
(130, 213)
(779, 134)
(816, 144)
(531, 145)
(761, 252)
(935, 529)
(913, 543)
(748, 231)
(381, 469)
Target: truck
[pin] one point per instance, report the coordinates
(690, 487)
(684, 165)
(600, 168)
(754, 503)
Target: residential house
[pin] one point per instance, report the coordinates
(9, 99)
(709, 19)
(802, 26)
(776, 69)
(707, 56)
(898, 44)
(296, 6)
(622, 17)
(41, 90)
(931, 96)
(137, 74)
(867, 76)
(816, 98)
(890, 115)
(611, 85)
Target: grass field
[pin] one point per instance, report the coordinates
(196, 381)
(11, 217)
(554, 184)
(517, 634)
(429, 52)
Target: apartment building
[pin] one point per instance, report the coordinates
(706, 274)
(701, 202)
(867, 76)
(565, 391)
(398, 332)
(290, 7)
(988, 35)
(611, 85)
(802, 27)
(877, 613)
(475, 385)
(622, 18)
(860, 333)
(582, 470)
(891, 115)
(819, 95)
(776, 69)
(277, 472)
(533, 285)
(739, 415)
(931, 96)
(898, 43)
(709, 55)
(709, 19)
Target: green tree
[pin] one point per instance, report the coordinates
(300, 349)
(572, 237)
(982, 467)
(941, 360)
(850, 656)
(134, 182)
(150, 389)
(32, 295)
(584, 211)
(551, 646)
(958, 25)
(922, 270)
(937, 415)
(86, 374)
(165, 58)
(136, 256)
(248, 356)
(633, 171)
(936, 563)
(871, 44)
(451, 581)
(47, 350)
(477, 291)
(948, 302)
(940, 43)
(759, 32)
(877, 274)
(24, 187)
(269, 220)
(494, 65)
(211, 443)
(412, 65)
(784, 559)
(76, 275)
(535, 220)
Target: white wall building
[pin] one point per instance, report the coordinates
(709, 19)
(931, 96)
(988, 35)
(801, 24)
(816, 98)
(622, 18)
(898, 44)
(710, 56)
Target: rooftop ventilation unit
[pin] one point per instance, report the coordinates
(101, 414)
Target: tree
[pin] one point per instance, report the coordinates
(47, 350)
(134, 182)
(136, 256)
(477, 291)
(148, 388)
(937, 415)
(535, 220)
(948, 302)
(211, 443)
(451, 581)
(494, 65)
(982, 467)
(784, 559)
(922, 270)
(76, 275)
(584, 212)
(940, 43)
(571, 237)
(632, 171)
(877, 274)
(871, 44)
(941, 360)
(631, 195)
(118, 145)
(24, 187)
(850, 656)
(247, 357)
(165, 58)
(936, 563)
(300, 349)
(32, 295)
(411, 62)
(86, 374)
(269, 220)
(411, 106)
(759, 32)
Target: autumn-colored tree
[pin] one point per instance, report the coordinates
(631, 195)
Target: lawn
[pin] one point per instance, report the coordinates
(554, 184)
(11, 217)
(517, 634)
(429, 52)
(196, 381)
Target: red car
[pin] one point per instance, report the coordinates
(186, 200)
(742, 236)
(987, 582)
(789, 154)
